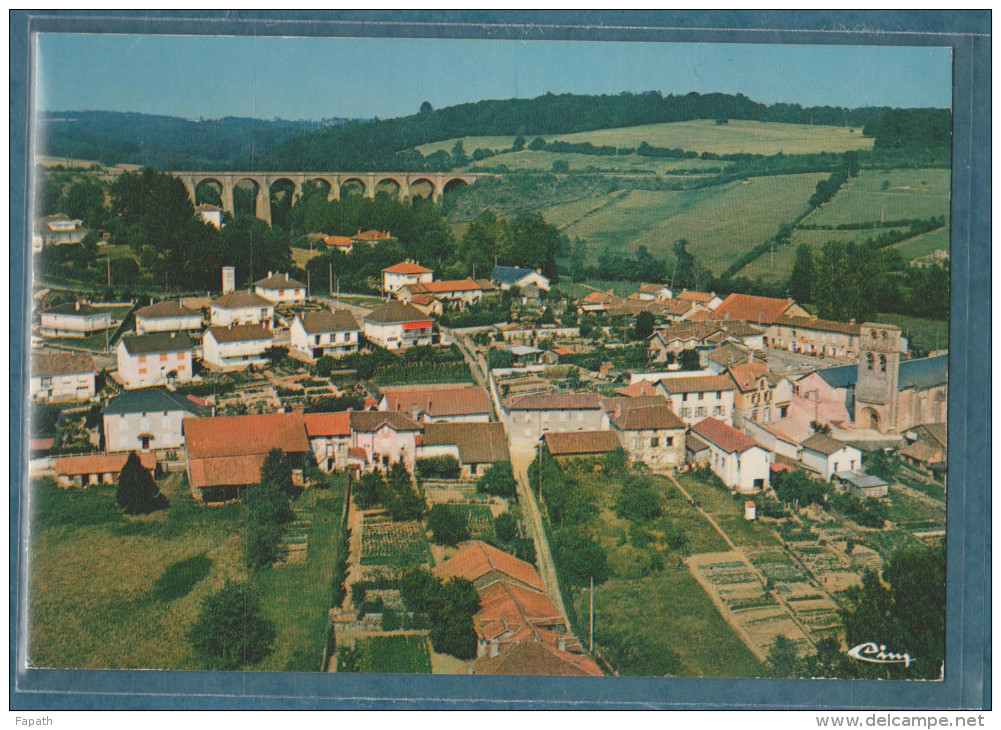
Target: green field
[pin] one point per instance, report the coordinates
(395, 654)
(785, 255)
(94, 597)
(729, 514)
(719, 223)
(927, 334)
(924, 244)
(542, 161)
(702, 135)
(908, 194)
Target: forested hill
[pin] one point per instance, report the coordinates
(388, 144)
(167, 143)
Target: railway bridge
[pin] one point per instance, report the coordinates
(406, 184)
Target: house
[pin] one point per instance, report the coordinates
(371, 236)
(531, 416)
(211, 214)
(429, 304)
(667, 343)
(927, 446)
(73, 319)
(329, 437)
(154, 359)
(709, 300)
(459, 293)
(524, 355)
(758, 395)
(237, 346)
(639, 389)
(241, 307)
(599, 301)
(825, 396)
(485, 565)
(56, 230)
(652, 293)
(434, 403)
(147, 419)
(573, 444)
(385, 437)
(406, 272)
(825, 456)
(61, 376)
(863, 486)
(694, 397)
(773, 439)
(82, 470)
(316, 334)
(167, 317)
(737, 459)
(762, 311)
(814, 336)
(507, 610)
(226, 453)
(344, 244)
(650, 431)
(678, 310)
(507, 276)
(728, 355)
(280, 289)
(532, 655)
(396, 326)
(474, 445)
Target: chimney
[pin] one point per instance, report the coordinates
(271, 273)
(415, 411)
(78, 306)
(286, 276)
(563, 643)
(494, 647)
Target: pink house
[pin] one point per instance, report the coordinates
(826, 396)
(385, 436)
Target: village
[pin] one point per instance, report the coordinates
(770, 455)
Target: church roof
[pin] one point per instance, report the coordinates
(926, 372)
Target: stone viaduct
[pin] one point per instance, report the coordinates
(439, 183)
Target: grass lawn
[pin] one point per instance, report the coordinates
(729, 514)
(924, 244)
(397, 654)
(296, 597)
(908, 512)
(762, 268)
(115, 592)
(928, 334)
(908, 194)
(95, 343)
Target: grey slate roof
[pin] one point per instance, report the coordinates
(151, 400)
(157, 342)
(841, 376)
(279, 281)
(926, 372)
(822, 444)
(76, 309)
(240, 299)
(509, 274)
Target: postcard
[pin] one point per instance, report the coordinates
(491, 356)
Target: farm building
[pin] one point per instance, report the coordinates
(225, 453)
(433, 403)
(474, 445)
(79, 471)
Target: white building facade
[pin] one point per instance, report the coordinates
(240, 307)
(61, 376)
(236, 347)
(73, 319)
(155, 359)
(316, 334)
(167, 317)
(280, 289)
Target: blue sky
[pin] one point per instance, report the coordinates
(315, 78)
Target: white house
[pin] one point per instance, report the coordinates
(280, 289)
(146, 419)
(440, 402)
(397, 326)
(826, 456)
(56, 230)
(329, 437)
(701, 396)
(737, 459)
(507, 276)
(652, 293)
(61, 376)
(236, 347)
(403, 273)
(316, 334)
(145, 360)
(773, 439)
(210, 214)
(460, 293)
(73, 319)
(241, 307)
(167, 317)
(530, 416)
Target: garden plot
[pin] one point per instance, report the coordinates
(737, 591)
(394, 544)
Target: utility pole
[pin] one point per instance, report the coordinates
(330, 278)
(591, 643)
(307, 284)
(109, 271)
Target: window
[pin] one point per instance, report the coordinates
(684, 397)
(163, 357)
(142, 371)
(882, 363)
(701, 396)
(654, 442)
(869, 359)
(669, 441)
(637, 442)
(700, 411)
(142, 358)
(718, 411)
(719, 394)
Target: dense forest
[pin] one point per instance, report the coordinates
(167, 143)
(389, 144)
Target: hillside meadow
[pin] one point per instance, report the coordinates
(887, 195)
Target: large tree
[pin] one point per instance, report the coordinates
(801, 278)
(137, 493)
(231, 630)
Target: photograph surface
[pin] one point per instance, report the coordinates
(488, 357)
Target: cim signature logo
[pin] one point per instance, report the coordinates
(875, 653)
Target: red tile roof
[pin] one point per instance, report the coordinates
(367, 421)
(725, 437)
(327, 424)
(822, 325)
(373, 235)
(440, 287)
(581, 443)
(536, 658)
(752, 309)
(477, 559)
(696, 296)
(697, 383)
(478, 443)
(437, 400)
(554, 402)
(648, 418)
(344, 241)
(406, 267)
(100, 463)
(746, 376)
(506, 608)
(638, 389)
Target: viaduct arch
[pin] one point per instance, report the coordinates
(439, 182)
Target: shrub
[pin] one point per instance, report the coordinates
(448, 524)
(637, 502)
(231, 630)
(137, 492)
(506, 527)
(498, 480)
(324, 366)
(445, 466)
(580, 556)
